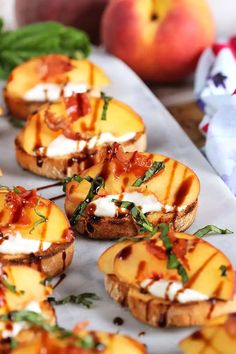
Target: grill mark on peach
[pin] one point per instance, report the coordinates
(168, 189)
(140, 271)
(94, 115)
(194, 277)
(183, 191)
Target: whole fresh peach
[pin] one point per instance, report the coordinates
(160, 39)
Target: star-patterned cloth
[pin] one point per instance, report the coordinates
(215, 89)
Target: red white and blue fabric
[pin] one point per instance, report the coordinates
(215, 90)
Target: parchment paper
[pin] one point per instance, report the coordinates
(216, 205)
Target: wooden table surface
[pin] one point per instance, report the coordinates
(180, 102)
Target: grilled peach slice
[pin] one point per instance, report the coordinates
(51, 69)
(21, 286)
(87, 134)
(203, 264)
(217, 336)
(26, 214)
(174, 189)
(130, 263)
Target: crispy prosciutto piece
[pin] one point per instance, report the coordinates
(134, 162)
(19, 200)
(52, 66)
(77, 106)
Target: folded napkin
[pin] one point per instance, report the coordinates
(215, 89)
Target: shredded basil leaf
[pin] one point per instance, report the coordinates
(76, 178)
(16, 190)
(17, 123)
(96, 184)
(42, 218)
(156, 167)
(11, 287)
(106, 101)
(173, 262)
(138, 216)
(84, 299)
(13, 343)
(211, 228)
(223, 270)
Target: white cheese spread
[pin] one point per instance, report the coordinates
(19, 326)
(63, 146)
(172, 290)
(16, 244)
(51, 92)
(147, 203)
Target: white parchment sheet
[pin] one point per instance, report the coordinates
(216, 205)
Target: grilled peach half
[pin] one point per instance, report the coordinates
(53, 69)
(176, 189)
(128, 263)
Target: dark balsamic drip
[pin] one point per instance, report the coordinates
(125, 183)
(38, 143)
(183, 190)
(63, 260)
(212, 307)
(166, 297)
(104, 173)
(90, 228)
(148, 306)
(94, 115)
(39, 161)
(121, 215)
(58, 197)
(3, 237)
(86, 158)
(141, 334)
(197, 336)
(61, 278)
(35, 260)
(168, 189)
(49, 186)
(94, 219)
(71, 161)
(124, 253)
(118, 321)
(91, 209)
(194, 277)
(162, 320)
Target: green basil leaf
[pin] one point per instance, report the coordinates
(155, 168)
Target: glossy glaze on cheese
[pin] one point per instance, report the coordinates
(121, 120)
(134, 262)
(27, 75)
(175, 186)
